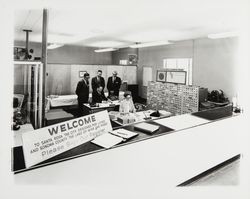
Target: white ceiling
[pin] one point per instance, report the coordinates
(121, 23)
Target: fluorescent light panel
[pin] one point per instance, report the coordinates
(107, 44)
(223, 35)
(53, 46)
(105, 50)
(149, 44)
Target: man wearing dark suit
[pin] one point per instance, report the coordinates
(82, 91)
(98, 95)
(98, 80)
(114, 84)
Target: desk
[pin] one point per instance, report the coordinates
(55, 101)
(109, 106)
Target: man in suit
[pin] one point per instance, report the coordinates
(114, 84)
(98, 95)
(82, 91)
(98, 81)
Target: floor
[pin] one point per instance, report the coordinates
(228, 175)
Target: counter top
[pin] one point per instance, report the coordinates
(169, 158)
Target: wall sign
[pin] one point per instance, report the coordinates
(177, 77)
(44, 143)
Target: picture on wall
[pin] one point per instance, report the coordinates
(19, 53)
(132, 59)
(161, 76)
(177, 77)
(81, 74)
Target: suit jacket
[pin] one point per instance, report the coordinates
(114, 86)
(95, 83)
(98, 97)
(82, 91)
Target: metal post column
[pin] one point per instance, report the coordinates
(44, 59)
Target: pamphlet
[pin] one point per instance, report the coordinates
(107, 140)
(126, 134)
(146, 127)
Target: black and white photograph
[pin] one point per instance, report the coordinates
(125, 99)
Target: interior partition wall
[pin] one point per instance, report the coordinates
(28, 82)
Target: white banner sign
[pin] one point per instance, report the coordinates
(44, 143)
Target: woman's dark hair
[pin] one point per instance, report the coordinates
(126, 93)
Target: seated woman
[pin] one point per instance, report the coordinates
(98, 95)
(127, 105)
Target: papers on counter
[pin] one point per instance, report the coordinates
(181, 121)
(113, 115)
(146, 127)
(108, 140)
(126, 134)
(104, 104)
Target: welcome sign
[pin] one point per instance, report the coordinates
(44, 143)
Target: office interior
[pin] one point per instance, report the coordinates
(187, 68)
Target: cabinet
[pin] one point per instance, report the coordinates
(175, 98)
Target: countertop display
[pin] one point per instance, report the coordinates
(172, 156)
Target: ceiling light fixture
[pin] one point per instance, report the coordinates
(107, 44)
(53, 46)
(105, 50)
(223, 35)
(149, 44)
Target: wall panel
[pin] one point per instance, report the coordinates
(58, 79)
(62, 79)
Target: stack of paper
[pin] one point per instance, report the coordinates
(123, 133)
(146, 127)
(107, 140)
(113, 115)
(181, 121)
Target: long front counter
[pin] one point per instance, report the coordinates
(172, 157)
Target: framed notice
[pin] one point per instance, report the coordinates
(81, 74)
(177, 77)
(161, 76)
